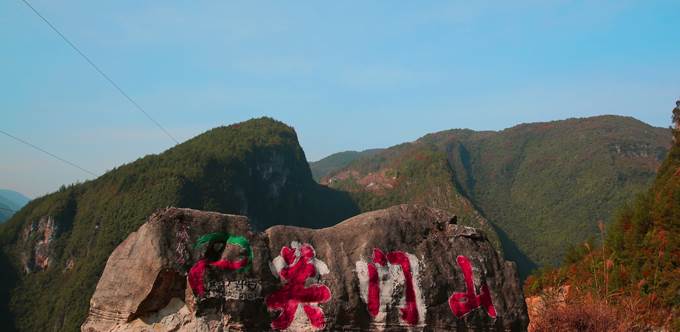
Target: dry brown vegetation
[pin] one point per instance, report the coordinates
(579, 311)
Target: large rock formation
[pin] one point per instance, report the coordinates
(405, 267)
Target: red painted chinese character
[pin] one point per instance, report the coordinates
(294, 267)
(463, 303)
(409, 312)
(216, 243)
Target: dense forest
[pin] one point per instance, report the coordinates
(628, 276)
(542, 186)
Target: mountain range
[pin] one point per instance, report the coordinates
(337, 161)
(542, 186)
(10, 202)
(535, 188)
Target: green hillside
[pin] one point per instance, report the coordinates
(543, 186)
(337, 161)
(255, 168)
(646, 235)
(634, 274)
(408, 173)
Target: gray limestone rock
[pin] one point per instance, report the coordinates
(393, 269)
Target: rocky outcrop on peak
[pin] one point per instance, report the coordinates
(407, 267)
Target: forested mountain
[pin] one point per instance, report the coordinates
(56, 247)
(543, 186)
(408, 173)
(337, 161)
(631, 279)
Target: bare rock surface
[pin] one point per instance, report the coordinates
(37, 237)
(405, 268)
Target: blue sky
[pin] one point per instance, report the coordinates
(346, 75)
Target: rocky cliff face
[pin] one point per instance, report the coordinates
(405, 267)
(38, 236)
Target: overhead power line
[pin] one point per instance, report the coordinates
(101, 72)
(47, 153)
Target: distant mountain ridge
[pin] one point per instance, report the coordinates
(336, 161)
(10, 202)
(16, 198)
(543, 186)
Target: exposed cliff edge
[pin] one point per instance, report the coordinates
(407, 266)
